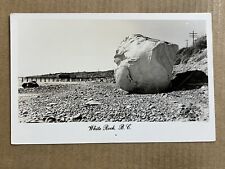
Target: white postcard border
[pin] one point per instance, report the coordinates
(78, 132)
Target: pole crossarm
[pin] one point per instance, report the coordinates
(193, 34)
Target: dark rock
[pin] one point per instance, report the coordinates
(189, 80)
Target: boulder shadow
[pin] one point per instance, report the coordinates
(189, 80)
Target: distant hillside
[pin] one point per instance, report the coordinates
(79, 75)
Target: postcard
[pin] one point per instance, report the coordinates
(111, 78)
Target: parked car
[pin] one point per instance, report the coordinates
(30, 84)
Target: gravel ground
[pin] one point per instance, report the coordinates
(99, 101)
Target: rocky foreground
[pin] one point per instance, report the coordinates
(99, 101)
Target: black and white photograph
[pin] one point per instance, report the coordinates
(100, 78)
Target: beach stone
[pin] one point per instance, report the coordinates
(49, 119)
(92, 103)
(144, 65)
(77, 116)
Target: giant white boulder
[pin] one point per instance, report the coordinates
(144, 65)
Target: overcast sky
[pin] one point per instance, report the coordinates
(51, 45)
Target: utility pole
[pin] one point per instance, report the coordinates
(193, 35)
(186, 43)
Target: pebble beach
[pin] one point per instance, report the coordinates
(105, 102)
